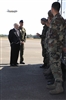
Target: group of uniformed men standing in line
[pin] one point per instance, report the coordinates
(53, 41)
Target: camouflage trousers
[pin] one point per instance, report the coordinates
(45, 55)
(55, 64)
(46, 58)
(21, 52)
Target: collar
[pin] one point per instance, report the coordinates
(20, 27)
(57, 14)
(16, 29)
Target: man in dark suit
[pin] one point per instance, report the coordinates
(14, 39)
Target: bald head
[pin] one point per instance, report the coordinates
(16, 26)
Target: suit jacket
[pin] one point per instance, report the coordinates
(13, 37)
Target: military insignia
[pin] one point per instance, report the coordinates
(20, 30)
(23, 30)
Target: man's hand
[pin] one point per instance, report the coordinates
(64, 49)
(38, 34)
(21, 42)
(47, 23)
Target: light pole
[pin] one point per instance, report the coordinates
(61, 5)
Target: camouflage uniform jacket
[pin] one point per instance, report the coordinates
(22, 34)
(46, 39)
(56, 34)
(43, 36)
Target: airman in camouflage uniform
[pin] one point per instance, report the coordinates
(43, 36)
(55, 45)
(50, 16)
(22, 39)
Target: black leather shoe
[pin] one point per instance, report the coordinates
(50, 83)
(49, 77)
(13, 65)
(51, 80)
(17, 64)
(46, 67)
(43, 66)
(47, 74)
(22, 63)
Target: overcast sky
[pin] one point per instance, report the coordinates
(31, 11)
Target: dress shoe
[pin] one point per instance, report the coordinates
(46, 67)
(50, 83)
(49, 77)
(22, 63)
(13, 65)
(42, 66)
(48, 74)
(51, 80)
(17, 63)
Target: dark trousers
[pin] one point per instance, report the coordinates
(14, 53)
(63, 71)
(21, 52)
(45, 55)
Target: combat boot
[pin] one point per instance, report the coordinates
(58, 89)
(51, 87)
(48, 71)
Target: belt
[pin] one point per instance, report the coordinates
(15, 43)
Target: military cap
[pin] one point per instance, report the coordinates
(43, 19)
(21, 21)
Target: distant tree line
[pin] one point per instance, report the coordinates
(33, 36)
(28, 36)
(2, 35)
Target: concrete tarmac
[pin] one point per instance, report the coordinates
(32, 52)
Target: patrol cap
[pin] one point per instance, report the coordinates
(44, 19)
(21, 21)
